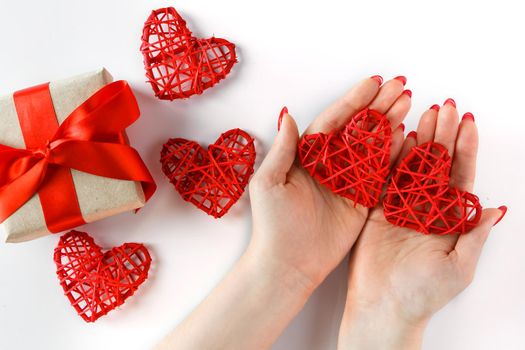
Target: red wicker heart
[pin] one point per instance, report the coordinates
(419, 196)
(212, 180)
(352, 162)
(179, 65)
(95, 282)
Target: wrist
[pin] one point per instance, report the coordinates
(379, 327)
(252, 305)
(284, 280)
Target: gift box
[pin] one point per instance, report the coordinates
(64, 156)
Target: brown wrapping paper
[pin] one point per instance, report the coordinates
(98, 197)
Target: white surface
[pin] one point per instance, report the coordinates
(296, 54)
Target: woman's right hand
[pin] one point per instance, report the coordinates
(398, 278)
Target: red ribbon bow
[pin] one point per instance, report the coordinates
(91, 140)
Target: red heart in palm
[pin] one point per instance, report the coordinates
(352, 162)
(212, 180)
(179, 65)
(419, 196)
(95, 282)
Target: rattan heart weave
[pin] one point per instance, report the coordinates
(213, 179)
(419, 196)
(179, 65)
(354, 161)
(96, 282)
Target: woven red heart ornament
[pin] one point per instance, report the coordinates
(212, 180)
(352, 162)
(179, 65)
(96, 282)
(419, 196)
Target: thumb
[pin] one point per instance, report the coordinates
(469, 246)
(281, 156)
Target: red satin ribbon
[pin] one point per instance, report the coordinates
(91, 139)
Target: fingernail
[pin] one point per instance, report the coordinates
(468, 115)
(281, 115)
(435, 107)
(402, 79)
(449, 101)
(503, 209)
(402, 126)
(412, 134)
(408, 92)
(377, 78)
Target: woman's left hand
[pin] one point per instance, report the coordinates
(299, 224)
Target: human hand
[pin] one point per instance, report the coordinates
(301, 230)
(299, 224)
(399, 278)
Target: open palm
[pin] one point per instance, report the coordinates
(408, 273)
(296, 220)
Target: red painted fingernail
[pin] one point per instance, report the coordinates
(412, 134)
(408, 92)
(377, 78)
(503, 209)
(435, 107)
(281, 115)
(468, 115)
(402, 126)
(450, 101)
(402, 79)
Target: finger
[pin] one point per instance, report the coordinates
(427, 125)
(410, 141)
(463, 172)
(388, 94)
(281, 156)
(338, 114)
(469, 245)
(399, 110)
(447, 126)
(397, 143)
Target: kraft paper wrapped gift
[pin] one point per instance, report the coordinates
(98, 197)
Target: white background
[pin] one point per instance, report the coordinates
(303, 55)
